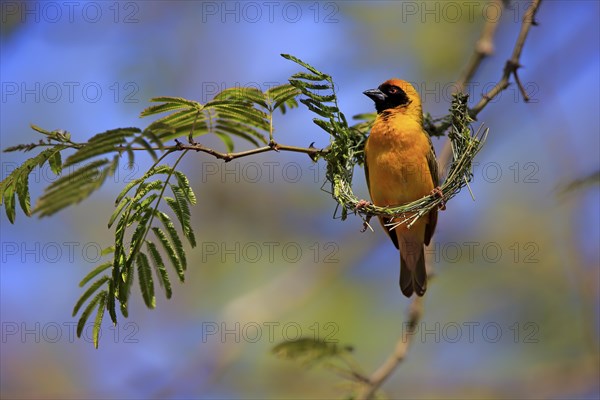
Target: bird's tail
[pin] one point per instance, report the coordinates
(413, 278)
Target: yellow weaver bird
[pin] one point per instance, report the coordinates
(400, 166)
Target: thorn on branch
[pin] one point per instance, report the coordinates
(313, 156)
(510, 67)
(521, 87)
(513, 65)
(532, 14)
(179, 145)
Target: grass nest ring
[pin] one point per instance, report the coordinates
(347, 150)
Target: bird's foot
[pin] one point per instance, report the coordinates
(361, 204)
(437, 192)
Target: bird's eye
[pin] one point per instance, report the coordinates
(393, 90)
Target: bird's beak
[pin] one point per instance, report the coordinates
(375, 94)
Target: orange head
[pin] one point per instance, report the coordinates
(395, 94)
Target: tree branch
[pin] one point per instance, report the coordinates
(272, 146)
(510, 68)
(376, 379)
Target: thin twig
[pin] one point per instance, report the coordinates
(272, 146)
(484, 47)
(385, 370)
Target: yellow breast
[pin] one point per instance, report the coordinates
(396, 155)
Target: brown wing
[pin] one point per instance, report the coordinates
(383, 221)
(433, 169)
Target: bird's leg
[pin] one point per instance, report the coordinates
(437, 192)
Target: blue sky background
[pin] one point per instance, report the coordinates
(542, 291)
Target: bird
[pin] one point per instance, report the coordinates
(400, 167)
